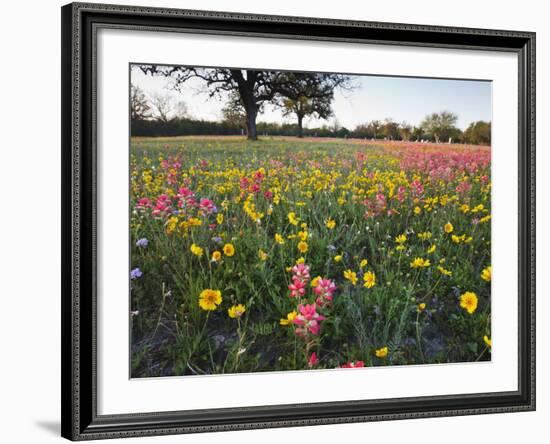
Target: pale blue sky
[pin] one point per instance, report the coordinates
(375, 97)
(411, 99)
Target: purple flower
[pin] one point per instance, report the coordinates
(217, 239)
(143, 242)
(135, 273)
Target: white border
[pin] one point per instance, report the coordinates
(118, 394)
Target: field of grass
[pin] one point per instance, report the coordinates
(288, 254)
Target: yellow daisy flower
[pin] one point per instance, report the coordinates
(236, 311)
(210, 299)
(468, 301)
(229, 250)
(381, 352)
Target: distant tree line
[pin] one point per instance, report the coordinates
(196, 127)
(161, 116)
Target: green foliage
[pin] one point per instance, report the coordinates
(440, 126)
(478, 133)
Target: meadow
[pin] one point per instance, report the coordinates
(290, 254)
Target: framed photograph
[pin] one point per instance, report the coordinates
(280, 221)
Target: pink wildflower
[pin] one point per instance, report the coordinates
(297, 288)
(308, 320)
(185, 192)
(143, 203)
(381, 200)
(324, 289)
(244, 183)
(186, 198)
(207, 206)
(400, 193)
(351, 364)
(417, 188)
(301, 272)
(313, 360)
(463, 187)
(162, 206)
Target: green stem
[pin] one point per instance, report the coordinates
(418, 337)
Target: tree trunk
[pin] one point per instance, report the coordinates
(300, 126)
(251, 132)
(246, 92)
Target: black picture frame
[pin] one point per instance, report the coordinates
(80, 420)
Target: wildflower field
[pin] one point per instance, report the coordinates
(291, 254)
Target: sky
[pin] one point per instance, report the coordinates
(407, 99)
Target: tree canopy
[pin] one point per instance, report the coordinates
(301, 93)
(306, 94)
(440, 126)
(478, 133)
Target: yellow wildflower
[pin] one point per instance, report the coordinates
(431, 249)
(236, 311)
(401, 239)
(292, 218)
(381, 352)
(194, 222)
(196, 250)
(279, 239)
(219, 218)
(418, 262)
(210, 299)
(486, 274)
(351, 276)
(330, 223)
(315, 280)
(363, 263)
(485, 219)
(369, 279)
(216, 256)
(228, 250)
(171, 224)
(289, 318)
(468, 301)
(302, 247)
(488, 341)
(478, 208)
(425, 235)
(262, 255)
(448, 228)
